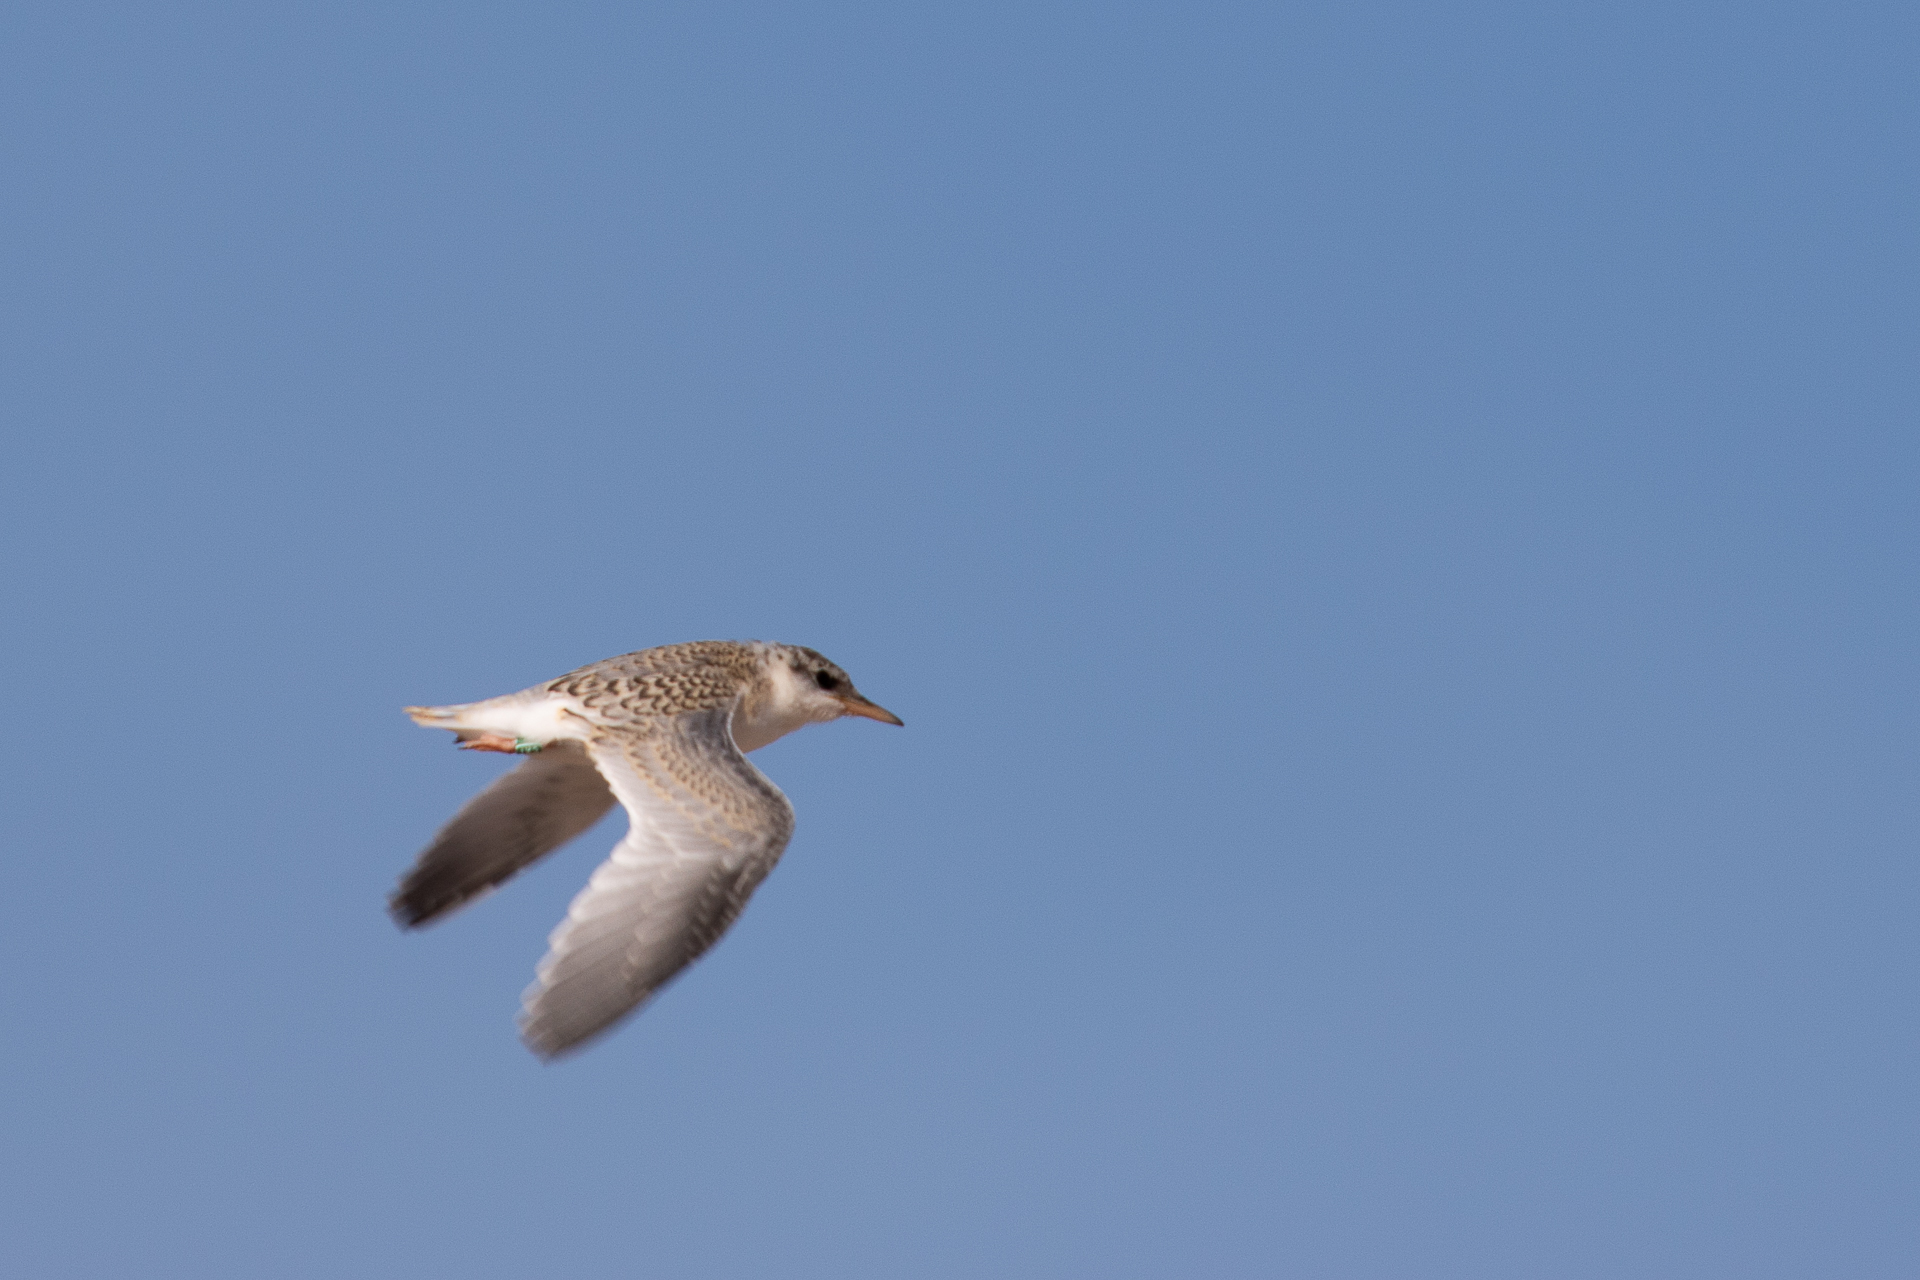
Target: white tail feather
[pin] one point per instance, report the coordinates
(534, 715)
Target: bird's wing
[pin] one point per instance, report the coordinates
(706, 828)
(526, 814)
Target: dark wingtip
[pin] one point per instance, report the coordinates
(410, 908)
(425, 899)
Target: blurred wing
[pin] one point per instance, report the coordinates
(706, 828)
(526, 814)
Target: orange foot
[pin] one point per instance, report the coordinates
(491, 742)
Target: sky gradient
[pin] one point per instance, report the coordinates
(1392, 529)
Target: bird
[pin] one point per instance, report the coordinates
(664, 732)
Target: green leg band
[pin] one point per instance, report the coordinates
(526, 748)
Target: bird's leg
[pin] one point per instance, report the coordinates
(499, 742)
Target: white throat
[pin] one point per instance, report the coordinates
(784, 703)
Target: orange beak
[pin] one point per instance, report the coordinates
(859, 706)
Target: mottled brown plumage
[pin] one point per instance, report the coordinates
(663, 731)
(667, 681)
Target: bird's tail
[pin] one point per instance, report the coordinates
(465, 719)
(495, 724)
(448, 717)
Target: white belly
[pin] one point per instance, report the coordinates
(533, 719)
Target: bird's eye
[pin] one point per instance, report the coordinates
(825, 681)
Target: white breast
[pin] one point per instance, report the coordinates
(776, 716)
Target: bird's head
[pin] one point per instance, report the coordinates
(823, 691)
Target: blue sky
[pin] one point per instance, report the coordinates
(1391, 527)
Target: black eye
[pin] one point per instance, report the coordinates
(825, 681)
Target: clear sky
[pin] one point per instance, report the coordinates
(1392, 529)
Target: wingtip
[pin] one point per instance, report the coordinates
(549, 1040)
(403, 915)
(544, 1045)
